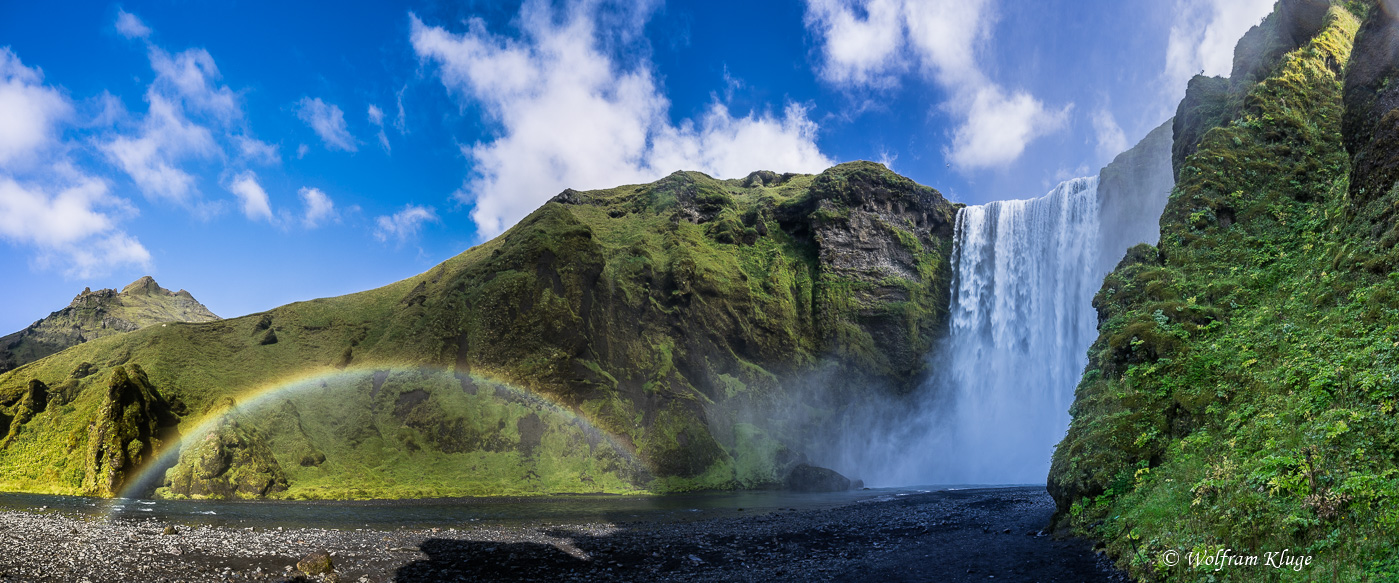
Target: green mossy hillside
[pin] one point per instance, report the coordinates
(639, 316)
(1242, 392)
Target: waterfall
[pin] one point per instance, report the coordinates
(1022, 320)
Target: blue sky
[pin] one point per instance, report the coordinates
(260, 153)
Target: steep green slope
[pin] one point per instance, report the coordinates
(595, 346)
(1242, 393)
(95, 314)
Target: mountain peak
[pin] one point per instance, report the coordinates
(146, 285)
(104, 312)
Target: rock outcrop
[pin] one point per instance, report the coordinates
(1371, 122)
(228, 461)
(132, 423)
(96, 314)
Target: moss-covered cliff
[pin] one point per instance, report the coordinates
(592, 347)
(1242, 392)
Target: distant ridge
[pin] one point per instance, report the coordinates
(95, 314)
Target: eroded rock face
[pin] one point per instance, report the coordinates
(1370, 126)
(133, 421)
(882, 239)
(229, 461)
(1132, 191)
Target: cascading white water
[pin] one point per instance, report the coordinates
(1022, 320)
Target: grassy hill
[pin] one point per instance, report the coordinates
(1242, 393)
(596, 346)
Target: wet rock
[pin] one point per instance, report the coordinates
(317, 563)
(809, 478)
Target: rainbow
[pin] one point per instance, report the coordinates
(153, 472)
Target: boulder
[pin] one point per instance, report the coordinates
(809, 478)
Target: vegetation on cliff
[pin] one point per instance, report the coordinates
(1242, 393)
(595, 346)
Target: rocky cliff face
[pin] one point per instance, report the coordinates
(1241, 392)
(95, 314)
(602, 344)
(1132, 191)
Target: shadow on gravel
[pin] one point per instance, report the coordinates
(450, 560)
(946, 536)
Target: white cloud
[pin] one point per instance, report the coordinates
(859, 51)
(152, 157)
(376, 117)
(318, 206)
(67, 216)
(191, 118)
(1111, 140)
(572, 117)
(328, 121)
(868, 43)
(251, 197)
(130, 26)
(400, 123)
(29, 110)
(997, 128)
(189, 77)
(256, 150)
(403, 225)
(1202, 38)
(301, 151)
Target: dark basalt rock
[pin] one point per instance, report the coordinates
(1370, 125)
(809, 478)
(1205, 106)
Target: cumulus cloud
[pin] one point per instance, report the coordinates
(1111, 140)
(868, 43)
(571, 116)
(29, 110)
(130, 26)
(65, 215)
(251, 197)
(998, 126)
(191, 118)
(328, 121)
(403, 225)
(319, 207)
(1202, 39)
(376, 117)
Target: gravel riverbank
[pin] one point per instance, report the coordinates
(960, 535)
